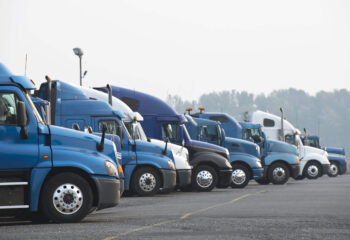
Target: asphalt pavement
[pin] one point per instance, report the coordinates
(307, 209)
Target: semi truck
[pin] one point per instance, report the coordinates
(56, 172)
(244, 155)
(211, 166)
(314, 162)
(148, 167)
(280, 160)
(336, 156)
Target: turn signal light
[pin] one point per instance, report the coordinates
(120, 169)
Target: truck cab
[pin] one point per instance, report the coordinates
(57, 172)
(280, 160)
(147, 167)
(336, 156)
(244, 155)
(314, 162)
(211, 166)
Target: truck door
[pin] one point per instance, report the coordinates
(17, 154)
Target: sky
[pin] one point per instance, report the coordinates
(180, 47)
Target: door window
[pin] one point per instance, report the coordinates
(110, 124)
(8, 109)
(170, 130)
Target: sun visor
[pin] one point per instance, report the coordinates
(119, 114)
(24, 82)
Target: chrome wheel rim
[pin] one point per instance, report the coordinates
(238, 176)
(312, 171)
(204, 179)
(147, 182)
(279, 174)
(67, 199)
(333, 169)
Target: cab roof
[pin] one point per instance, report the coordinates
(6, 77)
(146, 104)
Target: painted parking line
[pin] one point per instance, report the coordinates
(182, 217)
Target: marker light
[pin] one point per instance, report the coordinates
(189, 109)
(32, 81)
(135, 118)
(120, 169)
(201, 108)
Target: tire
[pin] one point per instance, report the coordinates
(146, 181)
(263, 181)
(60, 191)
(240, 176)
(312, 170)
(204, 178)
(333, 170)
(278, 173)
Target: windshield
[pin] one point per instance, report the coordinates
(135, 129)
(35, 111)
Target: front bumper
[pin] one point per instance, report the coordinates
(325, 168)
(258, 172)
(169, 178)
(108, 190)
(342, 169)
(183, 177)
(295, 170)
(264, 173)
(225, 178)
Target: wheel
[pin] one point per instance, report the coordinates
(312, 170)
(204, 178)
(263, 181)
(146, 181)
(66, 197)
(333, 170)
(278, 173)
(240, 176)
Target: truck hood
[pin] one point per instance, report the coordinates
(334, 150)
(82, 142)
(156, 149)
(208, 147)
(180, 153)
(241, 146)
(280, 147)
(308, 149)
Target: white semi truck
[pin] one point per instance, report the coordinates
(314, 162)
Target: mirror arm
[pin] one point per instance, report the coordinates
(24, 133)
(100, 146)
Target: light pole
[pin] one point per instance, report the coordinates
(79, 53)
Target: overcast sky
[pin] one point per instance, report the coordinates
(181, 47)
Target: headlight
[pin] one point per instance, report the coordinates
(171, 165)
(258, 162)
(111, 169)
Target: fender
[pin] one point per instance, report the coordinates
(214, 159)
(246, 158)
(337, 158)
(290, 159)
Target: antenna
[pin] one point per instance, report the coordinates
(25, 65)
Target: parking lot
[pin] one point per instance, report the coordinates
(308, 209)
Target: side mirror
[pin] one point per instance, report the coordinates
(100, 146)
(22, 119)
(89, 129)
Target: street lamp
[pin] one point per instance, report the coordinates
(79, 53)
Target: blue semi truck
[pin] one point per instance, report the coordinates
(211, 166)
(280, 159)
(147, 167)
(57, 172)
(336, 156)
(244, 155)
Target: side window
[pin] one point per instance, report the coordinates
(269, 122)
(170, 130)
(131, 102)
(8, 109)
(221, 119)
(110, 124)
(210, 132)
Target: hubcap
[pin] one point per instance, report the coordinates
(333, 169)
(147, 182)
(279, 174)
(312, 171)
(204, 178)
(238, 176)
(67, 199)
